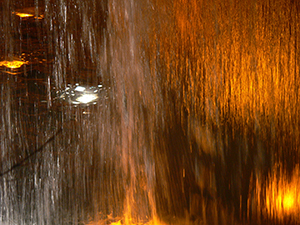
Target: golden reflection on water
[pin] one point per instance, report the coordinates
(228, 65)
(237, 63)
(233, 62)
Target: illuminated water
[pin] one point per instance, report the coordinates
(149, 112)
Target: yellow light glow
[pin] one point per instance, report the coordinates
(117, 223)
(282, 195)
(23, 15)
(288, 201)
(15, 64)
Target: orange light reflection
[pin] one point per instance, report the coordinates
(27, 14)
(289, 201)
(15, 64)
(23, 15)
(282, 197)
(128, 222)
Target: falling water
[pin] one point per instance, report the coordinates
(149, 112)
